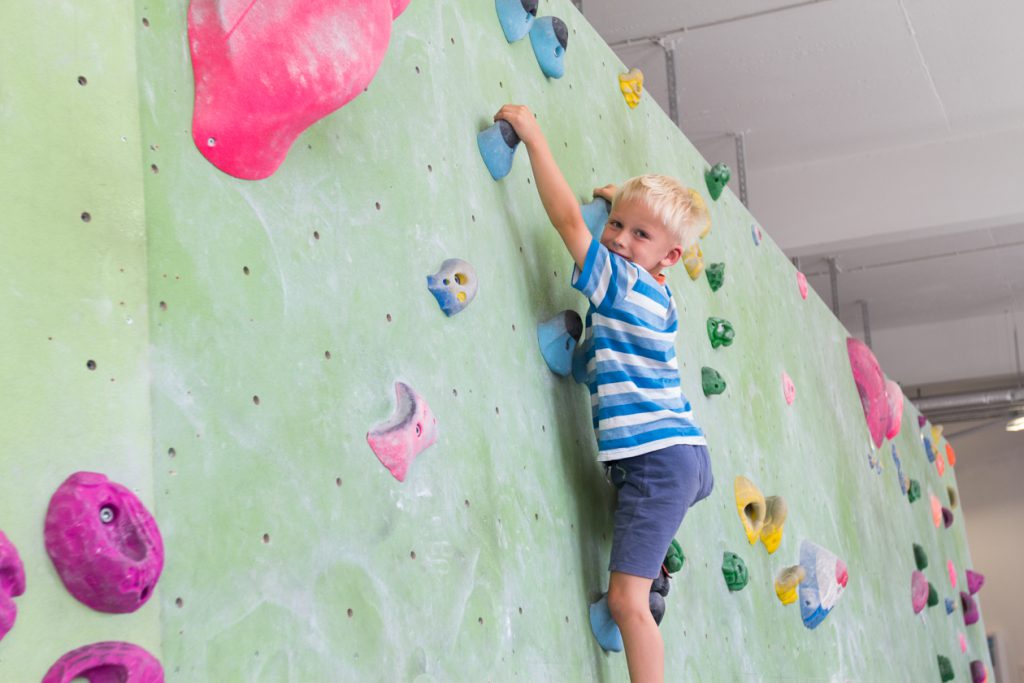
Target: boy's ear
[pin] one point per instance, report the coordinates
(672, 257)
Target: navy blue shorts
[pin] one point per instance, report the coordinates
(655, 491)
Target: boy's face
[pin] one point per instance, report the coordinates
(637, 235)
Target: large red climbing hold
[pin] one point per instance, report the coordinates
(265, 71)
(871, 387)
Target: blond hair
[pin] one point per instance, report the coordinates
(680, 209)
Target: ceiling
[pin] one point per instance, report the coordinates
(887, 135)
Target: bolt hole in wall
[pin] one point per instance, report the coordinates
(171, 452)
(82, 80)
(91, 364)
(86, 217)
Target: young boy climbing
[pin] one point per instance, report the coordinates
(653, 451)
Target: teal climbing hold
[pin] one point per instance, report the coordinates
(497, 146)
(720, 332)
(711, 381)
(604, 627)
(674, 558)
(913, 490)
(557, 338)
(516, 17)
(595, 215)
(549, 37)
(716, 275)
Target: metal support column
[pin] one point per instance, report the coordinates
(670, 71)
(741, 167)
(864, 319)
(833, 276)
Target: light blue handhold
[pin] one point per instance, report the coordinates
(595, 215)
(549, 37)
(928, 450)
(949, 606)
(558, 338)
(516, 17)
(604, 627)
(902, 478)
(755, 233)
(826, 577)
(497, 147)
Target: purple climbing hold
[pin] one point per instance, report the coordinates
(918, 591)
(105, 545)
(979, 674)
(12, 583)
(107, 662)
(921, 419)
(947, 517)
(975, 580)
(970, 606)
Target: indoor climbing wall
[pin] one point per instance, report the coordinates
(288, 251)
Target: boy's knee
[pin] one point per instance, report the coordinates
(624, 605)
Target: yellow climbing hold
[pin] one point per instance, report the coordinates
(632, 84)
(787, 582)
(698, 207)
(775, 517)
(751, 506)
(693, 261)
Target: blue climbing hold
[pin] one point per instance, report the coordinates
(604, 627)
(497, 147)
(950, 606)
(549, 37)
(558, 338)
(579, 365)
(900, 477)
(516, 17)
(928, 450)
(595, 215)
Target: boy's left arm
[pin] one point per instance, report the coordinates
(559, 202)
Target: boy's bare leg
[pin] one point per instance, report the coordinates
(629, 603)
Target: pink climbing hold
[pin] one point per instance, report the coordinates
(105, 545)
(788, 390)
(918, 591)
(951, 569)
(266, 71)
(411, 429)
(12, 583)
(894, 399)
(106, 662)
(871, 388)
(975, 581)
(801, 283)
(963, 643)
(936, 510)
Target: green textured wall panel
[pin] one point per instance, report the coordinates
(71, 291)
(280, 313)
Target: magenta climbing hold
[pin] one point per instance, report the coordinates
(975, 580)
(788, 389)
(871, 388)
(12, 583)
(823, 586)
(921, 419)
(264, 72)
(557, 338)
(411, 429)
(979, 674)
(894, 399)
(970, 606)
(801, 283)
(105, 545)
(454, 285)
(106, 662)
(918, 591)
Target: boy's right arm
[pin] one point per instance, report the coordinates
(555, 194)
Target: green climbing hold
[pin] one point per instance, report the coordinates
(720, 332)
(716, 275)
(933, 595)
(712, 381)
(734, 569)
(945, 669)
(674, 558)
(716, 178)
(914, 490)
(920, 558)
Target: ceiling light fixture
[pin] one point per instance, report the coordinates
(1016, 424)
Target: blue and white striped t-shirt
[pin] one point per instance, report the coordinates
(630, 354)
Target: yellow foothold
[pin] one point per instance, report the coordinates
(936, 435)
(775, 517)
(787, 582)
(693, 261)
(631, 85)
(751, 506)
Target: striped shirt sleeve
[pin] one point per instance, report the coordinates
(604, 279)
